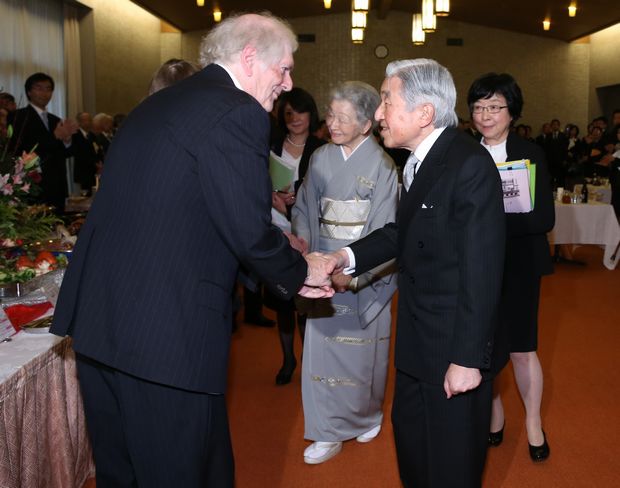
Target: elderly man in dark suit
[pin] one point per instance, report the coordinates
(449, 243)
(184, 200)
(35, 128)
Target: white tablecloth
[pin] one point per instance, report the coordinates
(591, 223)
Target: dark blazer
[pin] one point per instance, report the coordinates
(85, 159)
(29, 131)
(312, 143)
(185, 198)
(527, 248)
(449, 241)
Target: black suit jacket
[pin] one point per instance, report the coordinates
(449, 240)
(527, 248)
(29, 131)
(185, 198)
(85, 159)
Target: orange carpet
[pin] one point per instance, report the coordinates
(578, 347)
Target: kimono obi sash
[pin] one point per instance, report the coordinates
(343, 219)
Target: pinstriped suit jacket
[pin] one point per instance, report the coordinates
(185, 199)
(450, 255)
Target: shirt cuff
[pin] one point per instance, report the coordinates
(351, 268)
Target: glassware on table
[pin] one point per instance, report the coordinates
(575, 198)
(566, 197)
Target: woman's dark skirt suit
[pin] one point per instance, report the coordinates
(528, 257)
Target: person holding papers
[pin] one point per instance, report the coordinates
(495, 103)
(298, 118)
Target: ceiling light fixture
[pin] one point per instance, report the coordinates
(358, 19)
(417, 34)
(361, 5)
(429, 21)
(357, 36)
(442, 8)
(572, 9)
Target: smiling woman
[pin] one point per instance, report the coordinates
(495, 102)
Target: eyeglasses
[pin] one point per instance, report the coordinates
(492, 109)
(342, 119)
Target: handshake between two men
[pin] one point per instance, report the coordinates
(325, 274)
(325, 271)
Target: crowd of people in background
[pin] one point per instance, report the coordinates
(85, 139)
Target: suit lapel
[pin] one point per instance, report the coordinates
(431, 170)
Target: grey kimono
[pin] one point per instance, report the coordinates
(347, 336)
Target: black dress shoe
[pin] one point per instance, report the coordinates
(496, 438)
(260, 320)
(540, 453)
(285, 374)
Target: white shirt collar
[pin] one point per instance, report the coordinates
(39, 111)
(353, 152)
(234, 79)
(498, 151)
(425, 146)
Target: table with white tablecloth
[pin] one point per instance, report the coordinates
(596, 193)
(591, 223)
(43, 438)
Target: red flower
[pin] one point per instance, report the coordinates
(35, 176)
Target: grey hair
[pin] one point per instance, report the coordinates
(364, 98)
(427, 81)
(270, 35)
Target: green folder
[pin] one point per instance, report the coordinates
(281, 173)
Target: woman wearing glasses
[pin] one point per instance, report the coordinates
(350, 190)
(495, 102)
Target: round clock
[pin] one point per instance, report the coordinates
(381, 51)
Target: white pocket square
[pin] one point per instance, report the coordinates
(424, 206)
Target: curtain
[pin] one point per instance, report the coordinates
(73, 60)
(31, 40)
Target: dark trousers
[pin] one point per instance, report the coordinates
(149, 435)
(440, 443)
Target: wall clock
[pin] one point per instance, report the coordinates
(381, 51)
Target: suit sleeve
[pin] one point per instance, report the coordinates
(376, 248)
(479, 218)
(233, 172)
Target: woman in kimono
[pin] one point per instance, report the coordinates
(350, 190)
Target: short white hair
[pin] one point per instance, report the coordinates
(427, 81)
(271, 36)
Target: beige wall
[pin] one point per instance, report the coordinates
(128, 50)
(552, 74)
(605, 65)
(557, 79)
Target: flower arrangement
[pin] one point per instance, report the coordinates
(20, 222)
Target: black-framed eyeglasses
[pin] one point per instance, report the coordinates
(492, 109)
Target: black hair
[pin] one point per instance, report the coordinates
(503, 84)
(301, 102)
(36, 78)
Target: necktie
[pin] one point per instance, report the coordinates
(409, 171)
(44, 119)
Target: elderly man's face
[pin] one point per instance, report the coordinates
(272, 80)
(85, 121)
(399, 127)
